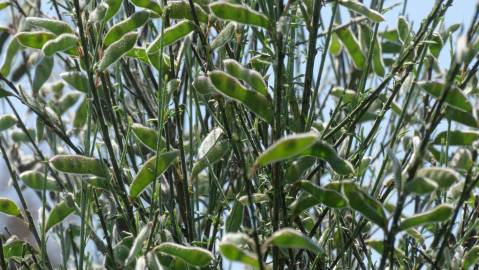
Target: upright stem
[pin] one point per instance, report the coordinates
(277, 132)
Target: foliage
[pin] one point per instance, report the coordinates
(275, 134)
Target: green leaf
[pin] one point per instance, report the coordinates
(252, 77)
(182, 10)
(7, 121)
(327, 153)
(231, 248)
(287, 147)
(67, 101)
(239, 13)
(219, 150)
(81, 115)
(81, 165)
(209, 141)
(59, 213)
(61, 43)
(203, 85)
(149, 4)
(4, 4)
(377, 56)
(470, 258)
(444, 177)
(302, 203)
(225, 36)
(77, 80)
(231, 87)
(296, 168)
(362, 202)
(352, 47)
(42, 73)
(171, 35)
(439, 214)
(126, 26)
(436, 45)
(235, 217)
(255, 197)
(421, 185)
(328, 197)
(335, 47)
(378, 246)
(55, 26)
(291, 238)
(457, 137)
(138, 243)
(462, 160)
(113, 7)
(8, 207)
(139, 53)
(37, 180)
(454, 98)
(358, 7)
(147, 136)
(193, 256)
(460, 116)
(403, 29)
(34, 40)
(152, 168)
(117, 49)
(12, 49)
(98, 14)
(15, 248)
(19, 136)
(347, 96)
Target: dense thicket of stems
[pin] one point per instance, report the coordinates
(272, 134)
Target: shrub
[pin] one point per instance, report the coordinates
(273, 134)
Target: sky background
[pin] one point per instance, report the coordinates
(460, 12)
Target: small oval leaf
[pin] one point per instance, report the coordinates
(328, 197)
(182, 10)
(61, 43)
(146, 135)
(291, 238)
(77, 80)
(37, 180)
(59, 213)
(250, 76)
(81, 165)
(326, 152)
(470, 258)
(352, 47)
(171, 35)
(194, 256)
(8, 207)
(148, 4)
(286, 147)
(362, 202)
(457, 137)
(55, 26)
(35, 40)
(358, 7)
(126, 26)
(7, 121)
(454, 98)
(147, 174)
(117, 49)
(231, 87)
(444, 177)
(239, 13)
(439, 214)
